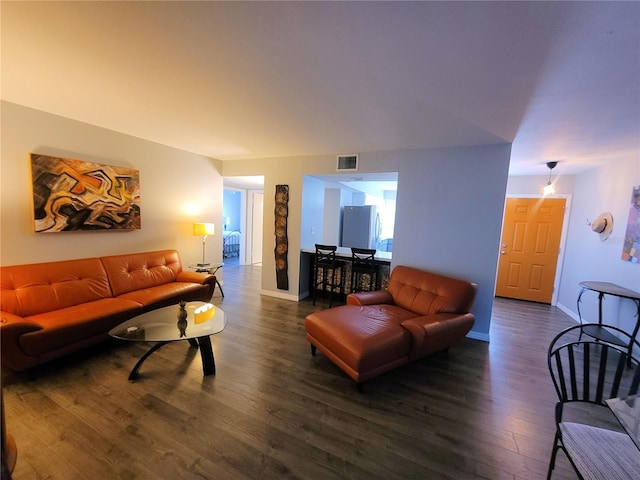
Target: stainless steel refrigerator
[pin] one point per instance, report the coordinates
(360, 227)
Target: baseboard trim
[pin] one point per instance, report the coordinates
(566, 310)
(479, 336)
(284, 296)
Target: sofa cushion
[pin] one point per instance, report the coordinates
(364, 338)
(138, 271)
(427, 293)
(43, 287)
(76, 323)
(167, 294)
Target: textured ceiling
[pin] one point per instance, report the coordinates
(233, 80)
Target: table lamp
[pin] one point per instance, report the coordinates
(203, 230)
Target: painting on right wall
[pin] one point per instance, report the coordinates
(631, 247)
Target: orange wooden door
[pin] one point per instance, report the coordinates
(529, 249)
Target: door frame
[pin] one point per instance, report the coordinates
(254, 228)
(563, 237)
(246, 224)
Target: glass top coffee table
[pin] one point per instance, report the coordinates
(166, 325)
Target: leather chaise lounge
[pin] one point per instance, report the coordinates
(52, 309)
(419, 313)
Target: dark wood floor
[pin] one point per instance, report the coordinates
(481, 411)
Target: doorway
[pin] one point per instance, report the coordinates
(243, 218)
(325, 197)
(530, 248)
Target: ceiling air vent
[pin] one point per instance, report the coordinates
(347, 163)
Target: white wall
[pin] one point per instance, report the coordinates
(311, 223)
(606, 189)
(448, 219)
(170, 181)
(449, 215)
(532, 185)
(331, 216)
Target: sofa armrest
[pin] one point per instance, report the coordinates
(10, 322)
(11, 328)
(195, 277)
(433, 333)
(370, 298)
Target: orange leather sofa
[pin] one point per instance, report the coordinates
(52, 309)
(418, 314)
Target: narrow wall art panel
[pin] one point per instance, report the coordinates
(631, 246)
(282, 241)
(73, 195)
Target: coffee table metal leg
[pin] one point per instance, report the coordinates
(134, 373)
(192, 342)
(206, 352)
(219, 286)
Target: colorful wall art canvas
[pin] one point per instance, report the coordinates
(631, 246)
(76, 195)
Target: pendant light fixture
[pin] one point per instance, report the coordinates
(549, 189)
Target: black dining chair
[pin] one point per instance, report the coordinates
(328, 271)
(363, 266)
(586, 373)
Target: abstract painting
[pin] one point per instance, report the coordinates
(631, 246)
(76, 195)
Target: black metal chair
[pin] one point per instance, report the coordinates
(363, 263)
(325, 266)
(585, 374)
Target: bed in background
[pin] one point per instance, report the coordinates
(230, 244)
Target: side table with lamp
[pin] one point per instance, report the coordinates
(204, 230)
(210, 268)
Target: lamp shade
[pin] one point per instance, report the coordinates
(203, 229)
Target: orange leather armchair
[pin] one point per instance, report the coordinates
(418, 314)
